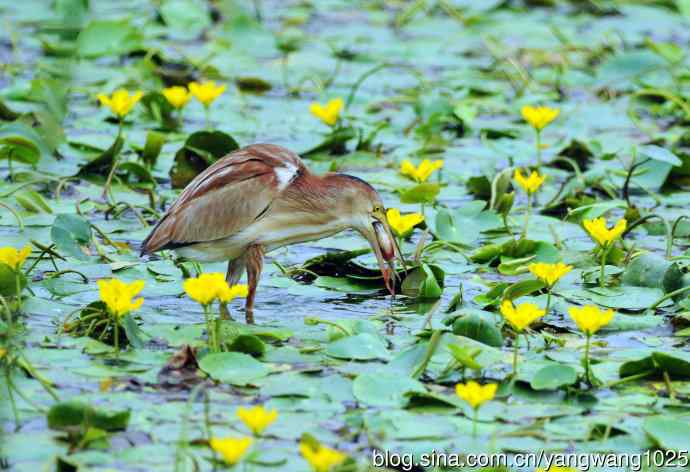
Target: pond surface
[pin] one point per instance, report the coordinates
(340, 359)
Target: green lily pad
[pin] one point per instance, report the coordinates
(385, 389)
(554, 376)
(234, 368)
(668, 433)
(362, 347)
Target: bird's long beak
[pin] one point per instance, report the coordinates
(385, 249)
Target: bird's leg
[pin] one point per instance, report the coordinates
(236, 268)
(255, 262)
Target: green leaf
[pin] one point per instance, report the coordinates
(465, 225)
(253, 85)
(478, 325)
(9, 279)
(248, 344)
(6, 113)
(186, 18)
(21, 143)
(668, 433)
(102, 164)
(234, 368)
(361, 347)
(623, 297)
(422, 193)
(108, 38)
(465, 356)
(650, 270)
(200, 150)
(553, 377)
(385, 390)
(669, 51)
(425, 281)
(675, 363)
(72, 14)
(523, 288)
(32, 201)
(69, 233)
(660, 154)
(333, 144)
(65, 416)
(132, 331)
(152, 147)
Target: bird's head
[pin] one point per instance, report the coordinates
(367, 215)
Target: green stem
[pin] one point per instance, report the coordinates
(548, 301)
(20, 222)
(667, 381)
(588, 374)
(18, 287)
(109, 179)
(315, 321)
(31, 370)
(538, 149)
(207, 117)
(527, 216)
(641, 375)
(668, 296)
(506, 226)
(23, 396)
(516, 346)
(116, 330)
(10, 395)
(433, 345)
(209, 329)
(474, 422)
(602, 274)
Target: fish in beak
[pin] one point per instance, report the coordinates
(386, 250)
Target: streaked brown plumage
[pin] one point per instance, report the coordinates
(263, 197)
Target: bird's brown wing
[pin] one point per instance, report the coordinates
(226, 197)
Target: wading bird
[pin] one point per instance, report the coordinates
(261, 198)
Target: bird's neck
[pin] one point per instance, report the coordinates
(320, 198)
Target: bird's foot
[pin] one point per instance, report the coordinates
(249, 316)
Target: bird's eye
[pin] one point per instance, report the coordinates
(378, 209)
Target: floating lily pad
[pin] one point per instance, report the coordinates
(234, 368)
(385, 390)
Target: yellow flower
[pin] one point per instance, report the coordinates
(205, 288)
(13, 257)
(3, 351)
(402, 225)
(521, 316)
(257, 418)
(231, 449)
(476, 394)
(177, 96)
(529, 184)
(549, 273)
(120, 102)
(321, 458)
(118, 295)
(590, 318)
(539, 117)
(227, 293)
(421, 173)
(206, 92)
(329, 113)
(106, 384)
(600, 233)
